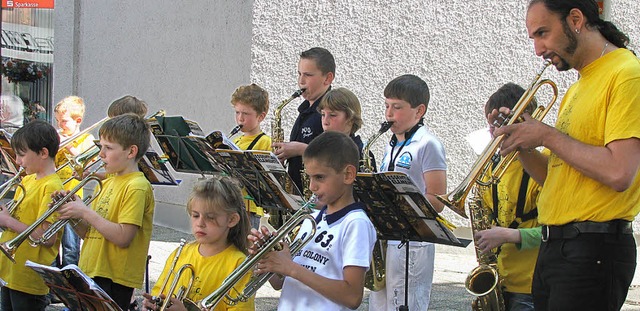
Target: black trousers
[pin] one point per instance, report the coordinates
(119, 293)
(13, 300)
(591, 271)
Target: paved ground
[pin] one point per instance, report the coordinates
(452, 265)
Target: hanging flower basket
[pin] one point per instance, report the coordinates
(17, 70)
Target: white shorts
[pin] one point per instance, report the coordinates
(391, 297)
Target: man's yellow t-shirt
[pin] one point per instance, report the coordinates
(126, 199)
(35, 204)
(601, 107)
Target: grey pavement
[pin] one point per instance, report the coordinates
(452, 264)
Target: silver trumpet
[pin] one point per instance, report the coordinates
(224, 292)
(7, 186)
(9, 247)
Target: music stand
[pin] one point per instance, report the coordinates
(264, 177)
(183, 142)
(399, 211)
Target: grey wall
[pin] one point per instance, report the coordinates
(188, 59)
(185, 57)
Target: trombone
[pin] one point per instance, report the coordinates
(9, 247)
(80, 163)
(71, 139)
(456, 198)
(7, 186)
(224, 292)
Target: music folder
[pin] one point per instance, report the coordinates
(185, 144)
(264, 177)
(399, 210)
(74, 288)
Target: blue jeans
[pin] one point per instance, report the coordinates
(518, 301)
(70, 247)
(13, 300)
(592, 271)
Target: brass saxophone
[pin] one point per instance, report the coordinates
(277, 133)
(277, 136)
(483, 281)
(374, 279)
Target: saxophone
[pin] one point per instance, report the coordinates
(277, 133)
(277, 136)
(374, 279)
(483, 281)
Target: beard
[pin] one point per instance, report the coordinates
(570, 49)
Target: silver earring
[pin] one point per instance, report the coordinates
(577, 30)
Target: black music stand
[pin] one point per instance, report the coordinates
(185, 145)
(264, 177)
(399, 211)
(74, 288)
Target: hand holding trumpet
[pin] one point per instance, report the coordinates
(278, 260)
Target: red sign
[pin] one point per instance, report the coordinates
(600, 8)
(27, 4)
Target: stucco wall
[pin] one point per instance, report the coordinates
(185, 57)
(463, 49)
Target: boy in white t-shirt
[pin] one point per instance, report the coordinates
(328, 273)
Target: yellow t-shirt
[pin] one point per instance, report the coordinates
(514, 265)
(34, 205)
(82, 143)
(264, 143)
(603, 106)
(126, 199)
(210, 272)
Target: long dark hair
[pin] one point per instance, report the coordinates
(590, 10)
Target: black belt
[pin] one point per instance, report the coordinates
(572, 230)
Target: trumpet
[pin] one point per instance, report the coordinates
(9, 247)
(7, 186)
(273, 243)
(182, 292)
(456, 199)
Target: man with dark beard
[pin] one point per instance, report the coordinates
(590, 181)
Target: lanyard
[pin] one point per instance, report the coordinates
(408, 135)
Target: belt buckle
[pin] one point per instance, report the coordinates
(545, 233)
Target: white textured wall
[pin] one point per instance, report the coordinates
(463, 49)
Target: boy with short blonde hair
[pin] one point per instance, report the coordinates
(35, 145)
(69, 114)
(332, 277)
(117, 228)
(251, 104)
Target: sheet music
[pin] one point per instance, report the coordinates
(399, 210)
(77, 290)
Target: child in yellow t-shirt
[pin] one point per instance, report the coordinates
(117, 228)
(220, 226)
(69, 114)
(35, 145)
(251, 104)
